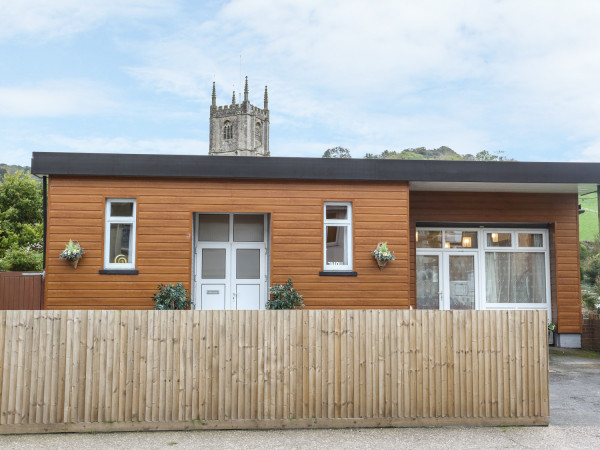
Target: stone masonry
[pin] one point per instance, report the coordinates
(239, 129)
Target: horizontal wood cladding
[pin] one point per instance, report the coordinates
(165, 209)
(559, 211)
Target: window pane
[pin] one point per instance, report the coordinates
(461, 239)
(213, 263)
(248, 228)
(119, 243)
(531, 240)
(515, 277)
(429, 239)
(247, 263)
(428, 282)
(213, 227)
(462, 282)
(339, 212)
(499, 239)
(336, 248)
(121, 209)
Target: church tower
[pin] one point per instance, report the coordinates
(239, 129)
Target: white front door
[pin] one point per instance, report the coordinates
(231, 261)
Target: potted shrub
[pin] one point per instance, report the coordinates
(382, 255)
(172, 296)
(72, 253)
(284, 296)
(551, 330)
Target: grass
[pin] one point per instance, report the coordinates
(588, 221)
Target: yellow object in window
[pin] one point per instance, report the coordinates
(121, 259)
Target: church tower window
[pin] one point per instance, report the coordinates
(227, 130)
(258, 133)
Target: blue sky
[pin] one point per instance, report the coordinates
(135, 76)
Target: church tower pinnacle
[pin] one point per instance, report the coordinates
(239, 129)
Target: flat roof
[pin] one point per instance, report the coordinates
(422, 174)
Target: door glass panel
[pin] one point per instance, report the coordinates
(429, 239)
(213, 227)
(247, 263)
(213, 263)
(462, 281)
(461, 239)
(428, 281)
(248, 228)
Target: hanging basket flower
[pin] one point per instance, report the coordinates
(382, 255)
(72, 253)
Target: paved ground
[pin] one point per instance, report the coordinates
(574, 423)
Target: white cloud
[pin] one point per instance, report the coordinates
(485, 69)
(55, 99)
(59, 143)
(53, 18)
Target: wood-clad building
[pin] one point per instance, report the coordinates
(465, 235)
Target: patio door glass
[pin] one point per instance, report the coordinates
(461, 281)
(428, 281)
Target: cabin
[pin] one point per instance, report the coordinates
(465, 235)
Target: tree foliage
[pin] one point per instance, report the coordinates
(337, 152)
(590, 273)
(442, 153)
(21, 227)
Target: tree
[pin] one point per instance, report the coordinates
(337, 152)
(21, 227)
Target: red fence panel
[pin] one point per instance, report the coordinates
(21, 290)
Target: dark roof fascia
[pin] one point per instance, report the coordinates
(184, 166)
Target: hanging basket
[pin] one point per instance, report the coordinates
(74, 263)
(381, 263)
(382, 255)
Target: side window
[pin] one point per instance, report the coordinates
(258, 133)
(119, 234)
(337, 236)
(227, 130)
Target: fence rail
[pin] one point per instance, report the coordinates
(134, 370)
(21, 290)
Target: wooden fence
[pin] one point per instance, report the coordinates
(21, 290)
(158, 370)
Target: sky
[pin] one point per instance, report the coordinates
(135, 76)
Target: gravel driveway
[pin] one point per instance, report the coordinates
(574, 423)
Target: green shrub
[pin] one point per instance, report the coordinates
(21, 260)
(284, 296)
(172, 296)
(590, 267)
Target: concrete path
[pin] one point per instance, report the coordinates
(574, 423)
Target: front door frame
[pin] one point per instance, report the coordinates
(231, 246)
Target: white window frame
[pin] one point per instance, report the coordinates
(515, 248)
(127, 220)
(482, 247)
(348, 236)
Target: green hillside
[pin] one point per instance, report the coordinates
(588, 221)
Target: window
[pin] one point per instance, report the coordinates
(119, 236)
(516, 269)
(258, 133)
(337, 235)
(227, 130)
(485, 268)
